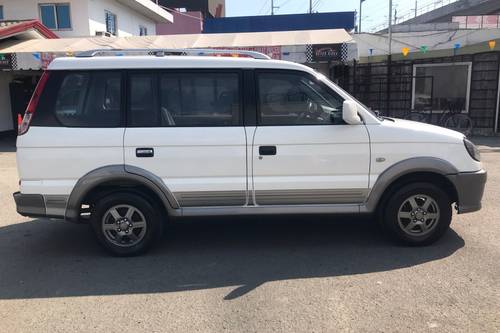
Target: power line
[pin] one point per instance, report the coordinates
(264, 6)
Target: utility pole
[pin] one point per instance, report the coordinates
(273, 7)
(360, 17)
(416, 7)
(389, 63)
(310, 6)
(390, 27)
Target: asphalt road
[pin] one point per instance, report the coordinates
(251, 275)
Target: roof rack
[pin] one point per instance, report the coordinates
(171, 52)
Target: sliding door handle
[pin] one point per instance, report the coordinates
(267, 150)
(144, 152)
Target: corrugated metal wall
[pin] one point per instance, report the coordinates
(369, 83)
(340, 20)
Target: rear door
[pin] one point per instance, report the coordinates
(185, 126)
(303, 152)
(77, 127)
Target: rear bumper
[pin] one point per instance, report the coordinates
(37, 205)
(470, 188)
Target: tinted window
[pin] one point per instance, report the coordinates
(89, 100)
(110, 22)
(185, 99)
(48, 16)
(63, 18)
(142, 105)
(296, 99)
(55, 16)
(1, 12)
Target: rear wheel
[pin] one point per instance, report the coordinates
(417, 214)
(126, 224)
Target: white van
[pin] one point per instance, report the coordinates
(128, 142)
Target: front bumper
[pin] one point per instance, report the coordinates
(37, 205)
(470, 188)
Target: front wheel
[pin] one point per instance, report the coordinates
(125, 224)
(417, 214)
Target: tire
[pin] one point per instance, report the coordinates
(126, 224)
(417, 214)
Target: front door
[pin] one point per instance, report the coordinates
(303, 152)
(185, 126)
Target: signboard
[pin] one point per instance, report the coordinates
(461, 20)
(272, 51)
(6, 61)
(327, 52)
(490, 21)
(474, 22)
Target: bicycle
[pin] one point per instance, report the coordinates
(452, 118)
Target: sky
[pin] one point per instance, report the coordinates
(374, 13)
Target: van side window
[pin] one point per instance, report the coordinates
(89, 100)
(143, 112)
(184, 99)
(199, 99)
(293, 98)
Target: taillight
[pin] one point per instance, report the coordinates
(30, 110)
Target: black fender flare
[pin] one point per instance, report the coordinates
(402, 168)
(117, 173)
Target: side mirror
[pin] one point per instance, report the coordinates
(350, 113)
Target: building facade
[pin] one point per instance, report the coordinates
(445, 59)
(77, 18)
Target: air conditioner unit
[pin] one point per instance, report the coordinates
(103, 33)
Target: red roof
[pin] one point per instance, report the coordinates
(12, 28)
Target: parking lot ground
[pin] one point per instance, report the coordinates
(251, 275)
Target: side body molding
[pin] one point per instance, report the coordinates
(401, 168)
(117, 173)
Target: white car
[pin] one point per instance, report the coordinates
(129, 142)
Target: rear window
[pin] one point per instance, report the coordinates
(81, 99)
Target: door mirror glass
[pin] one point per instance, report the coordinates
(350, 113)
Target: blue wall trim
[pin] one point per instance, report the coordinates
(339, 20)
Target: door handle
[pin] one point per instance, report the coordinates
(144, 152)
(267, 150)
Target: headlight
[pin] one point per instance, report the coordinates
(472, 150)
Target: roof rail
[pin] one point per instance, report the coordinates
(170, 52)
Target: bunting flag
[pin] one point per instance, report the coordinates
(492, 44)
(405, 51)
(424, 49)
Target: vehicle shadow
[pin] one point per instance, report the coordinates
(43, 258)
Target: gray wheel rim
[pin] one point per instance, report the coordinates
(418, 215)
(124, 225)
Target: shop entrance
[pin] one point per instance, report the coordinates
(21, 88)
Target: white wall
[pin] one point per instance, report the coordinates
(28, 9)
(87, 16)
(128, 21)
(5, 110)
(434, 40)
